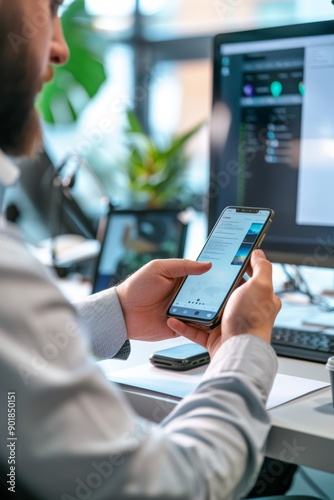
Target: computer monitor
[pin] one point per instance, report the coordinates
(272, 136)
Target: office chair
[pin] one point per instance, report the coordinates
(288, 497)
(22, 494)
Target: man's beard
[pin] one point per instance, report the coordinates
(20, 130)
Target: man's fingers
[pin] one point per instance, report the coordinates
(261, 266)
(255, 257)
(178, 268)
(190, 332)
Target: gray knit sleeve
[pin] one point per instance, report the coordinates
(102, 317)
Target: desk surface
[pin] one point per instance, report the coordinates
(302, 430)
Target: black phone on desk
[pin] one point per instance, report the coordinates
(180, 358)
(238, 231)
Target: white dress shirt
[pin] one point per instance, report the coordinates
(9, 174)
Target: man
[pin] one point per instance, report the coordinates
(76, 435)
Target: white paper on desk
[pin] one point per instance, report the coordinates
(148, 377)
(287, 387)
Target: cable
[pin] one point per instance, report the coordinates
(297, 283)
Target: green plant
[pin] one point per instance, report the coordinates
(75, 83)
(156, 174)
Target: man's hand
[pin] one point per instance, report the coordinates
(252, 308)
(146, 295)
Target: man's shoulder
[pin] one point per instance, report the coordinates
(15, 256)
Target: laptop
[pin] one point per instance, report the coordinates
(135, 237)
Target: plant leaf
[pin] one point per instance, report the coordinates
(178, 143)
(135, 125)
(85, 66)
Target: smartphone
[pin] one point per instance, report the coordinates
(238, 231)
(181, 358)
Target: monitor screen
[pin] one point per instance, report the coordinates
(272, 135)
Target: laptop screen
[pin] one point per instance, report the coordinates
(134, 238)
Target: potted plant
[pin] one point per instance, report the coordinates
(156, 174)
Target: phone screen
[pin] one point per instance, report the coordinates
(184, 351)
(237, 232)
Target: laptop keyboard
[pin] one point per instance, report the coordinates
(302, 344)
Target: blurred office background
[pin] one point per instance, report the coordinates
(156, 55)
(153, 56)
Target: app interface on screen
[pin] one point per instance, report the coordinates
(230, 244)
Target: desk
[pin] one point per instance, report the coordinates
(302, 430)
